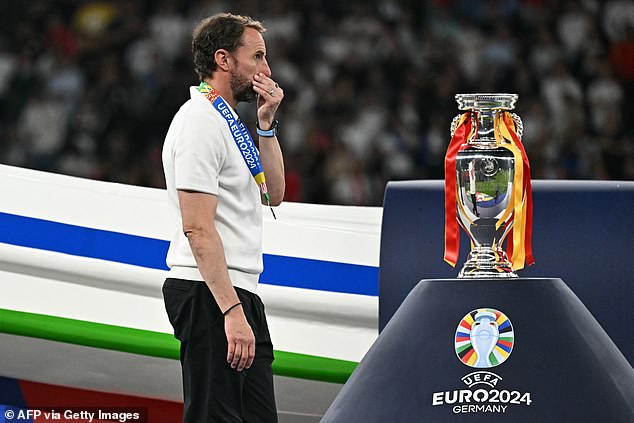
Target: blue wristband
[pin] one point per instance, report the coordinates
(271, 132)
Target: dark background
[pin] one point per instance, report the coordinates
(88, 88)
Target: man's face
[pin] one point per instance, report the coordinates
(248, 59)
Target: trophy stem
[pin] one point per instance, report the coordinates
(486, 262)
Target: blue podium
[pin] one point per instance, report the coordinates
(488, 350)
(550, 361)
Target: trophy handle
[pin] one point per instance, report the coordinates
(519, 124)
(454, 124)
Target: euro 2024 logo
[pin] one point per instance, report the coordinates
(484, 339)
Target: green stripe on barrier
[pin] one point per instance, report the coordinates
(155, 344)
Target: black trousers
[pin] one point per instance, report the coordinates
(213, 391)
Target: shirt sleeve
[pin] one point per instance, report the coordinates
(199, 153)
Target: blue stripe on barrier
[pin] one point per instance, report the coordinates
(150, 252)
(82, 241)
(322, 275)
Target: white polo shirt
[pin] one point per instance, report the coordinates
(199, 154)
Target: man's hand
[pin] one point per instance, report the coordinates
(240, 339)
(270, 95)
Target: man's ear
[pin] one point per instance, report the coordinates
(221, 56)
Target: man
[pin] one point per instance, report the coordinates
(215, 183)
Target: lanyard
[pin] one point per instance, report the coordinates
(241, 137)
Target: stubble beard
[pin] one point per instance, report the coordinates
(242, 88)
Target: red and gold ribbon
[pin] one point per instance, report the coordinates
(463, 132)
(519, 245)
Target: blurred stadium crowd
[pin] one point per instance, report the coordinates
(88, 88)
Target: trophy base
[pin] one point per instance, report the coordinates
(484, 262)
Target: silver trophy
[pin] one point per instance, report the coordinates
(484, 182)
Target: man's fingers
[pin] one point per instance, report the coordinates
(244, 358)
(231, 348)
(248, 354)
(236, 356)
(251, 355)
(271, 89)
